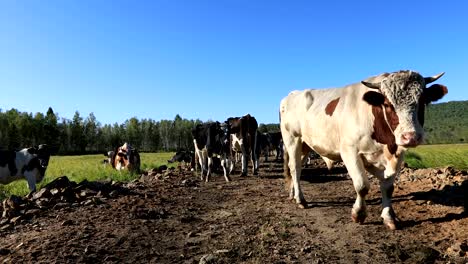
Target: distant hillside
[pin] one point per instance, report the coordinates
(447, 123)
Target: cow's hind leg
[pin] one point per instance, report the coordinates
(295, 167)
(361, 184)
(287, 176)
(255, 155)
(210, 164)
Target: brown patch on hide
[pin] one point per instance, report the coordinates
(383, 131)
(330, 108)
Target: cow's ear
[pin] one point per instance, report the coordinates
(434, 93)
(374, 98)
(32, 150)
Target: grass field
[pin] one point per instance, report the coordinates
(90, 167)
(78, 168)
(435, 156)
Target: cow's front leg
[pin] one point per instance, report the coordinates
(255, 163)
(244, 160)
(361, 184)
(225, 164)
(208, 173)
(388, 215)
(201, 162)
(31, 179)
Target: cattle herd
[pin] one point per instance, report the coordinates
(367, 125)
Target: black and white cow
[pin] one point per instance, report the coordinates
(277, 143)
(109, 156)
(244, 138)
(264, 144)
(28, 163)
(182, 155)
(212, 139)
(269, 142)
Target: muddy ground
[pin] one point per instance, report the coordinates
(173, 217)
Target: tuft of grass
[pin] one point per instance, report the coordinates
(89, 167)
(436, 156)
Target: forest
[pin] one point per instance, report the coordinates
(86, 135)
(444, 123)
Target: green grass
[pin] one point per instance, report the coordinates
(79, 168)
(436, 156)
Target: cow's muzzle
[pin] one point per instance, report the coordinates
(410, 139)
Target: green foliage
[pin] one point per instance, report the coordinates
(89, 167)
(447, 123)
(436, 156)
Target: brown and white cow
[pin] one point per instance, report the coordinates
(244, 139)
(368, 125)
(126, 157)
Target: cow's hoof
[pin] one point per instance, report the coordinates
(302, 205)
(243, 174)
(255, 173)
(228, 179)
(359, 217)
(391, 224)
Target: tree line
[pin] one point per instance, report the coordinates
(85, 135)
(445, 123)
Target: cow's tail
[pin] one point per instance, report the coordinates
(287, 171)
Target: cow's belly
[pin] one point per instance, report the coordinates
(6, 177)
(324, 140)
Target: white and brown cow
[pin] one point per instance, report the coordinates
(211, 139)
(368, 125)
(126, 157)
(28, 163)
(244, 139)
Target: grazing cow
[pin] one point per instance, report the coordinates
(244, 139)
(28, 163)
(126, 157)
(367, 125)
(182, 155)
(212, 139)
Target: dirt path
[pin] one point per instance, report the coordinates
(175, 218)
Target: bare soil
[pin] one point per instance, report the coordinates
(173, 217)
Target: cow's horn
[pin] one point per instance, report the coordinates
(428, 80)
(371, 85)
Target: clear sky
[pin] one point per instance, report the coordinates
(215, 59)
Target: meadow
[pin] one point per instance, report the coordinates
(89, 167)
(436, 156)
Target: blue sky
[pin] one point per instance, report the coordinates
(214, 59)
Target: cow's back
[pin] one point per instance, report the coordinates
(326, 118)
